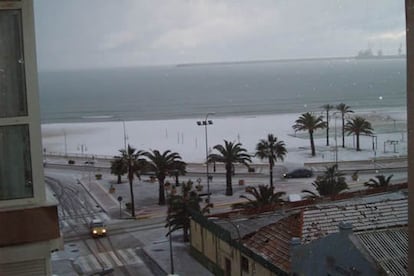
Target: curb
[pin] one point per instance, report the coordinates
(152, 264)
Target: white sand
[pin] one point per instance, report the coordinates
(188, 139)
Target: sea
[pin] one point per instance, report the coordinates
(228, 89)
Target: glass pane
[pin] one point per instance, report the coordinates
(12, 82)
(15, 163)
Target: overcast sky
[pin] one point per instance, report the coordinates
(111, 33)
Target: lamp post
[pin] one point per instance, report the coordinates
(336, 141)
(125, 137)
(170, 236)
(205, 123)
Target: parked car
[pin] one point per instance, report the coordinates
(298, 173)
(97, 228)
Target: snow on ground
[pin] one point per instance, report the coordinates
(188, 139)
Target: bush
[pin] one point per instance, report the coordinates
(98, 176)
(128, 205)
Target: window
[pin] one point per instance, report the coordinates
(13, 100)
(15, 163)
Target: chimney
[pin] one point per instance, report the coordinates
(295, 242)
(345, 227)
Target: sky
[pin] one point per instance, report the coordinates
(79, 34)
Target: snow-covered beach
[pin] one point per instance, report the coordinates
(188, 139)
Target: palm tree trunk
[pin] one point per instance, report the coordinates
(229, 188)
(131, 190)
(161, 193)
(271, 175)
(327, 127)
(343, 131)
(357, 142)
(312, 142)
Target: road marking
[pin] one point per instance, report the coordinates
(83, 263)
(115, 259)
(129, 256)
(105, 259)
(89, 263)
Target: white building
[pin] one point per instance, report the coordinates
(29, 228)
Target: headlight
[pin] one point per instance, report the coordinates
(95, 232)
(103, 230)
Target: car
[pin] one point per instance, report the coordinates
(97, 228)
(298, 173)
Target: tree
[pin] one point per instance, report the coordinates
(162, 165)
(332, 182)
(134, 166)
(344, 109)
(229, 154)
(263, 196)
(272, 150)
(358, 126)
(178, 216)
(380, 181)
(327, 108)
(309, 122)
(119, 167)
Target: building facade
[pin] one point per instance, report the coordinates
(29, 227)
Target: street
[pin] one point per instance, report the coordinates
(132, 246)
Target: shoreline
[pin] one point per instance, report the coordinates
(113, 118)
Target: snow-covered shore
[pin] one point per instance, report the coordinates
(188, 139)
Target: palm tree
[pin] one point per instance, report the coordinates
(119, 167)
(358, 126)
(161, 165)
(179, 206)
(327, 108)
(264, 196)
(331, 183)
(229, 154)
(381, 181)
(271, 149)
(309, 122)
(344, 109)
(134, 166)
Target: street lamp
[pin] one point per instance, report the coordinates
(170, 235)
(336, 141)
(205, 123)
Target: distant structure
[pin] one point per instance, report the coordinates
(369, 54)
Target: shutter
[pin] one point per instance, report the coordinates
(26, 268)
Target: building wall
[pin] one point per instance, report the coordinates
(212, 252)
(409, 12)
(28, 216)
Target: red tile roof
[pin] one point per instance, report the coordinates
(273, 241)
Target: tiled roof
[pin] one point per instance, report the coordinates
(323, 220)
(388, 247)
(273, 241)
(312, 222)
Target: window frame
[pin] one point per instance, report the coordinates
(32, 119)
